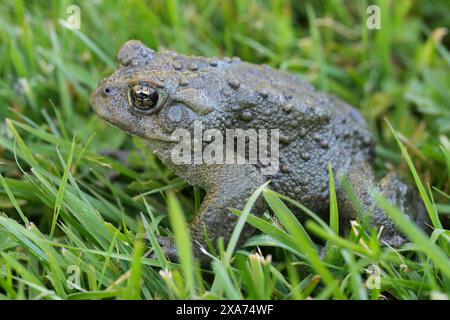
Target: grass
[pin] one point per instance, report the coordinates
(67, 231)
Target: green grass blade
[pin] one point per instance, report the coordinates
(241, 222)
(358, 288)
(416, 235)
(14, 200)
(133, 289)
(271, 230)
(286, 217)
(305, 246)
(431, 208)
(230, 289)
(28, 155)
(182, 241)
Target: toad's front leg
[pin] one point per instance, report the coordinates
(232, 186)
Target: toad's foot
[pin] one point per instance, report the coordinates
(168, 246)
(362, 182)
(407, 199)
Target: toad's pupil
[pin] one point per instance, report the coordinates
(144, 97)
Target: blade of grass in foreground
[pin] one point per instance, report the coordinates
(307, 211)
(56, 264)
(94, 295)
(335, 239)
(287, 218)
(359, 290)
(81, 210)
(431, 208)
(62, 187)
(182, 241)
(91, 45)
(154, 242)
(304, 245)
(415, 234)
(271, 230)
(23, 236)
(45, 136)
(222, 275)
(241, 222)
(28, 276)
(13, 200)
(133, 289)
(27, 153)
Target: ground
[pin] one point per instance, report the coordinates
(73, 218)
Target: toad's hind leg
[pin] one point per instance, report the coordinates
(233, 186)
(362, 183)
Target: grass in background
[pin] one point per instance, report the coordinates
(73, 219)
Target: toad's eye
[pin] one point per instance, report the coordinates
(144, 97)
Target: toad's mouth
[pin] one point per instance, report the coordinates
(159, 137)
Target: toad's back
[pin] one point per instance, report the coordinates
(315, 129)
